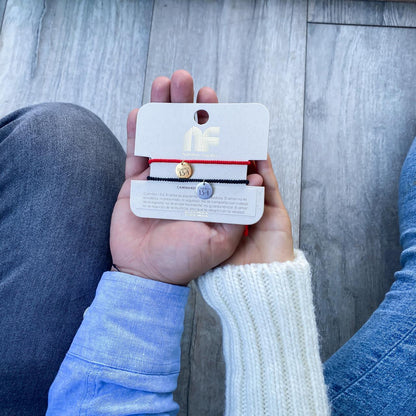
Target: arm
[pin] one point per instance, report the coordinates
(270, 338)
(263, 296)
(123, 359)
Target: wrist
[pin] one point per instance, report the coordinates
(115, 268)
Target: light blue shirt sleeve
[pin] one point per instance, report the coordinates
(125, 357)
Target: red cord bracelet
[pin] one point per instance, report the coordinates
(208, 162)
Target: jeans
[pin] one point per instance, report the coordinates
(374, 373)
(61, 170)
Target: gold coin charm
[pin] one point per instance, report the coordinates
(183, 170)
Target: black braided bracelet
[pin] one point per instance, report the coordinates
(153, 178)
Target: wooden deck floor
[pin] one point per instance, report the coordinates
(339, 80)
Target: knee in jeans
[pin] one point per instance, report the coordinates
(62, 134)
(62, 127)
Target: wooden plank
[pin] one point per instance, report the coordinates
(206, 382)
(373, 13)
(201, 322)
(90, 53)
(252, 51)
(3, 4)
(359, 123)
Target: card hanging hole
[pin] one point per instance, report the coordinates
(201, 116)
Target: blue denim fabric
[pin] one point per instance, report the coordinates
(125, 358)
(374, 373)
(61, 170)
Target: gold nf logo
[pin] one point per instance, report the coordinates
(197, 141)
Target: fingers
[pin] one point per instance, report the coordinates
(255, 179)
(125, 189)
(206, 95)
(160, 90)
(181, 87)
(178, 89)
(272, 195)
(135, 164)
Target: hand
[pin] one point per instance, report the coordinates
(170, 251)
(270, 239)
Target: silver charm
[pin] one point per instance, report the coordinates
(204, 190)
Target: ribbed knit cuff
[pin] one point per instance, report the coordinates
(270, 338)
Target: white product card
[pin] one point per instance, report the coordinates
(213, 191)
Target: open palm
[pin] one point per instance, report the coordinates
(165, 250)
(178, 251)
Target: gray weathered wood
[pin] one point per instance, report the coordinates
(206, 383)
(3, 4)
(251, 52)
(359, 122)
(199, 325)
(375, 13)
(91, 53)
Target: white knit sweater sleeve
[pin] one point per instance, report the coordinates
(270, 338)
